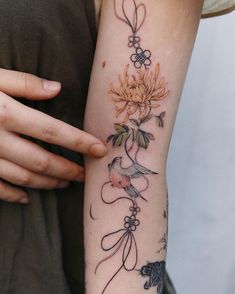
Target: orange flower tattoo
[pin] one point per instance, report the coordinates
(138, 93)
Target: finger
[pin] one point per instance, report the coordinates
(33, 157)
(19, 176)
(24, 120)
(20, 84)
(11, 194)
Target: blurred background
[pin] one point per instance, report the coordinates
(201, 167)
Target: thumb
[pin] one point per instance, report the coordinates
(25, 85)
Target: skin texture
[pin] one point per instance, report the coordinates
(126, 203)
(24, 163)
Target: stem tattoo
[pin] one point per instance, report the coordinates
(137, 98)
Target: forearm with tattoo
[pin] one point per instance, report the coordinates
(137, 97)
(142, 55)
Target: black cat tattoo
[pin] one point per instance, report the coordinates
(155, 271)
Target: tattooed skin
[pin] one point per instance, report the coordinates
(155, 271)
(137, 96)
(163, 242)
(141, 57)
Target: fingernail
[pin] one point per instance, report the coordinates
(51, 86)
(98, 149)
(63, 184)
(80, 177)
(24, 200)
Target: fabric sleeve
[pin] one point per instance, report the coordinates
(217, 7)
(211, 7)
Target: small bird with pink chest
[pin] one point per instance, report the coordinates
(120, 177)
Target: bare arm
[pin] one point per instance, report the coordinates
(143, 51)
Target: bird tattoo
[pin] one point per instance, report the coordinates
(120, 177)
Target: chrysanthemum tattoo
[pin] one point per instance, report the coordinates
(137, 95)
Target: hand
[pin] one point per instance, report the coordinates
(24, 163)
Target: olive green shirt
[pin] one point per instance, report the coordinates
(41, 245)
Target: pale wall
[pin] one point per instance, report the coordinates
(201, 167)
